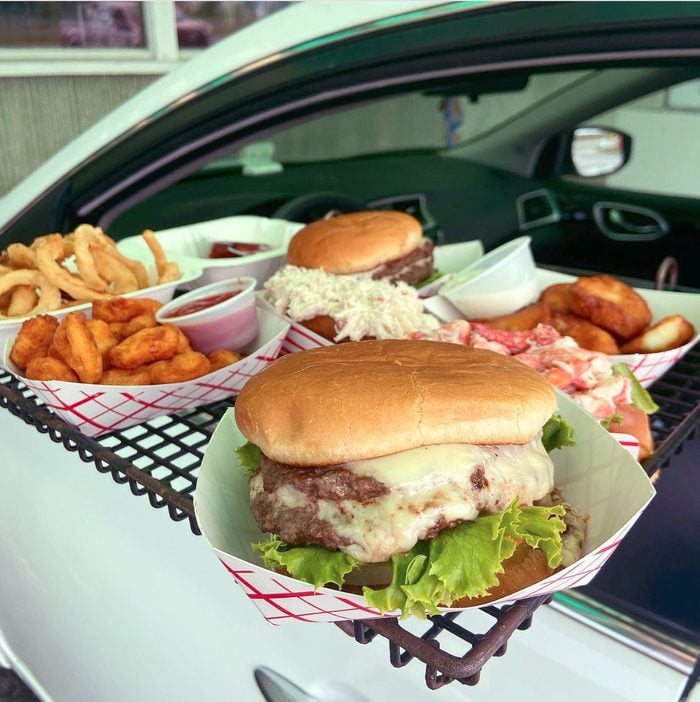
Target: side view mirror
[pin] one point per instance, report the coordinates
(598, 151)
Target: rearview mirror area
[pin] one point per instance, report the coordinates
(598, 151)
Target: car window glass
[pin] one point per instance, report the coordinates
(414, 120)
(665, 150)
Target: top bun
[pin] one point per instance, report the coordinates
(356, 242)
(365, 399)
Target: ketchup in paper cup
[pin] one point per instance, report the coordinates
(219, 315)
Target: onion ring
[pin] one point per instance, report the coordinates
(121, 278)
(20, 256)
(82, 238)
(167, 270)
(24, 300)
(48, 254)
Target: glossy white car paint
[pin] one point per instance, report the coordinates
(104, 598)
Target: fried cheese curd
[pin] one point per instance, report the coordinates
(121, 345)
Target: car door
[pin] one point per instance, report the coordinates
(645, 215)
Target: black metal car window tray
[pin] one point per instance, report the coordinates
(160, 460)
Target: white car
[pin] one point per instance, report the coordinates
(464, 115)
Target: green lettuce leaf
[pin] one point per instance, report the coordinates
(556, 433)
(249, 457)
(541, 527)
(312, 564)
(640, 397)
(462, 561)
(428, 279)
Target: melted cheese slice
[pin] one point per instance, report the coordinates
(430, 486)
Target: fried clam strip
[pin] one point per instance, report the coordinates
(167, 270)
(49, 253)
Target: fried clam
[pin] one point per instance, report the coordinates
(527, 317)
(586, 334)
(77, 347)
(668, 333)
(557, 297)
(33, 340)
(49, 368)
(145, 346)
(610, 303)
(183, 367)
(123, 309)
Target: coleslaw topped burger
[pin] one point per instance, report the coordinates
(350, 277)
(407, 470)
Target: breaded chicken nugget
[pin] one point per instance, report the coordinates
(145, 346)
(78, 348)
(33, 340)
(103, 337)
(123, 309)
(141, 321)
(118, 376)
(184, 366)
(220, 358)
(611, 304)
(47, 368)
(668, 333)
(586, 334)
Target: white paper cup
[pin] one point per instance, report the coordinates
(598, 476)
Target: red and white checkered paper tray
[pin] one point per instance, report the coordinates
(99, 409)
(648, 367)
(597, 475)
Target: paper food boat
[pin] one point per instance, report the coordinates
(193, 241)
(99, 409)
(648, 367)
(163, 292)
(598, 476)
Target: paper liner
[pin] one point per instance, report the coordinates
(98, 409)
(193, 241)
(648, 367)
(598, 476)
(191, 271)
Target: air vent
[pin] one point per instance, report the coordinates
(536, 208)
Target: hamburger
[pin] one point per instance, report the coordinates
(406, 470)
(383, 245)
(350, 277)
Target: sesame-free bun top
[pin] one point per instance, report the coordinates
(355, 242)
(364, 399)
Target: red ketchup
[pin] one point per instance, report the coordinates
(202, 304)
(235, 249)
